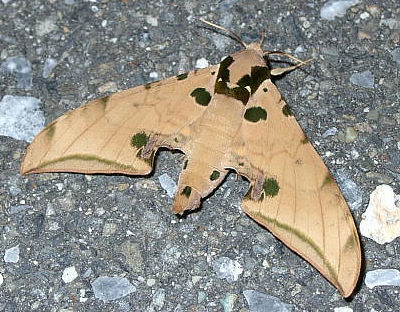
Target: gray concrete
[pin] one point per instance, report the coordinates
(120, 226)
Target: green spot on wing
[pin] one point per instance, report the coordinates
(265, 89)
(50, 129)
(202, 96)
(147, 86)
(327, 180)
(186, 191)
(304, 140)
(185, 164)
(271, 187)
(287, 111)
(139, 140)
(182, 76)
(255, 114)
(214, 175)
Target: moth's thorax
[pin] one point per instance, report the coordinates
(245, 60)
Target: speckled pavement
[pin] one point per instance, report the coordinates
(67, 230)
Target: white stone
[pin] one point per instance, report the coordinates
(20, 117)
(364, 79)
(153, 75)
(1, 279)
(69, 274)
(111, 288)
(12, 254)
(382, 277)
(153, 21)
(336, 8)
(381, 220)
(260, 302)
(201, 63)
(167, 184)
(228, 269)
(343, 309)
(21, 67)
(49, 64)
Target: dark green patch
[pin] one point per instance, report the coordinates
(327, 180)
(238, 93)
(271, 187)
(287, 111)
(104, 101)
(304, 140)
(265, 89)
(241, 164)
(182, 76)
(202, 96)
(185, 164)
(186, 191)
(139, 140)
(176, 140)
(254, 114)
(50, 129)
(223, 71)
(213, 73)
(257, 76)
(147, 86)
(214, 175)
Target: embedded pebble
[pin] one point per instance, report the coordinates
(228, 269)
(350, 135)
(20, 117)
(153, 21)
(330, 132)
(69, 274)
(228, 302)
(381, 220)
(336, 8)
(49, 65)
(364, 79)
(350, 190)
(18, 208)
(11, 255)
(260, 302)
(111, 288)
(167, 184)
(158, 300)
(21, 68)
(201, 63)
(1, 279)
(343, 309)
(133, 255)
(382, 277)
(110, 86)
(396, 56)
(153, 75)
(46, 26)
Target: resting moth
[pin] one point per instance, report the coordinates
(225, 117)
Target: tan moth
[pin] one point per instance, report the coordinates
(225, 117)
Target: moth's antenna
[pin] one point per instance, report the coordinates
(230, 33)
(262, 39)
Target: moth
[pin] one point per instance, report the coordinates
(225, 117)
